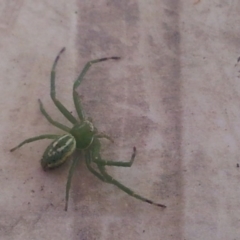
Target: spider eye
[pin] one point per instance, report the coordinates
(58, 151)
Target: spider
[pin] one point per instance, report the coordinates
(83, 136)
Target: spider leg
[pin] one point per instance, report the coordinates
(47, 116)
(99, 161)
(103, 135)
(107, 178)
(79, 80)
(78, 105)
(93, 171)
(45, 136)
(96, 158)
(57, 103)
(69, 180)
(86, 68)
(127, 190)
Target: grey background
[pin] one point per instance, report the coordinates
(174, 95)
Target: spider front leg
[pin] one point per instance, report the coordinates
(76, 99)
(78, 81)
(57, 103)
(86, 68)
(78, 105)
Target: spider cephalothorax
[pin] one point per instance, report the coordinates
(82, 136)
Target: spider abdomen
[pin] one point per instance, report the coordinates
(58, 151)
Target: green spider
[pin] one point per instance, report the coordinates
(82, 136)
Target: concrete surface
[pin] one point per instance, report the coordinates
(174, 95)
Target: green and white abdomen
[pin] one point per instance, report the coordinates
(58, 151)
